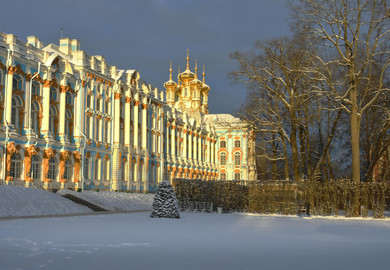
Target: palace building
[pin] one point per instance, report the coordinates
(71, 120)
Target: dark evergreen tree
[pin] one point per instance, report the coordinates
(165, 204)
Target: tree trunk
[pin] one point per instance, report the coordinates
(286, 169)
(355, 131)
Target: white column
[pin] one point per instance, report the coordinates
(200, 148)
(46, 106)
(27, 105)
(189, 145)
(144, 125)
(173, 140)
(135, 123)
(61, 128)
(185, 144)
(8, 102)
(208, 150)
(127, 121)
(195, 147)
(116, 172)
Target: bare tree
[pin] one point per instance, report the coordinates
(354, 35)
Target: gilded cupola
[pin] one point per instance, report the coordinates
(187, 75)
(195, 82)
(205, 87)
(170, 84)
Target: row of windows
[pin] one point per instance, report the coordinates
(237, 144)
(237, 176)
(16, 168)
(237, 158)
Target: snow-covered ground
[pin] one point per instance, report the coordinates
(115, 200)
(196, 241)
(20, 201)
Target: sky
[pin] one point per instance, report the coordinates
(147, 34)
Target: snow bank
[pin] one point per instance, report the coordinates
(115, 200)
(21, 201)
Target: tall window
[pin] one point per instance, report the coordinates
(69, 98)
(17, 104)
(223, 176)
(34, 115)
(53, 94)
(86, 168)
(223, 158)
(16, 165)
(52, 119)
(35, 89)
(35, 167)
(123, 170)
(87, 126)
(89, 97)
(97, 169)
(237, 158)
(106, 170)
(106, 107)
(237, 143)
(106, 131)
(68, 123)
(52, 169)
(222, 144)
(98, 131)
(98, 104)
(68, 170)
(237, 176)
(17, 82)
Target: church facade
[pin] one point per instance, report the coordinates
(71, 120)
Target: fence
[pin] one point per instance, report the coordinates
(331, 198)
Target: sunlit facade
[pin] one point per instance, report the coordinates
(70, 120)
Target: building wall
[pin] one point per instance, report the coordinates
(93, 126)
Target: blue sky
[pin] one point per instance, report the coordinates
(146, 34)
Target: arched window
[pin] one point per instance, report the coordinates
(237, 143)
(124, 170)
(87, 168)
(52, 169)
(87, 126)
(35, 89)
(17, 105)
(68, 122)
(106, 129)
(222, 144)
(106, 107)
(237, 176)
(106, 169)
(223, 158)
(68, 170)
(35, 167)
(98, 130)
(17, 82)
(223, 176)
(16, 165)
(97, 169)
(52, 119)
(69, 98)
(53, 94)
(34, 115)
(237, 159)
(89, 97)
(98, 104)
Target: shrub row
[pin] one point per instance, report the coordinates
(331, 198)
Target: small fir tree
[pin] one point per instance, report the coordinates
(165, 204)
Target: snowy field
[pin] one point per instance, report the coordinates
(20, 201)
(196, 241)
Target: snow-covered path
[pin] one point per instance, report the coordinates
(196, 241)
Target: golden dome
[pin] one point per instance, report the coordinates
(187, 75)
(195, 82)
(205, 87)
(170, 83)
